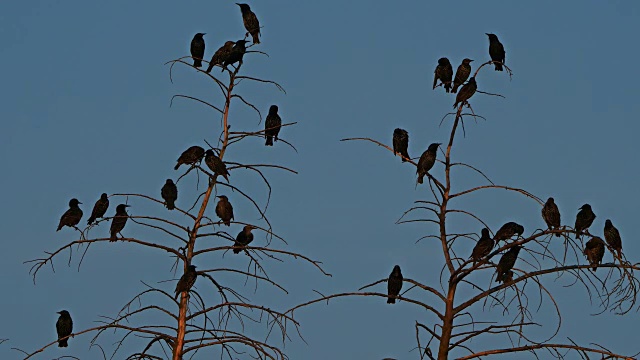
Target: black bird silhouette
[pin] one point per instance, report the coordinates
(169, 193)
(64, 327)
(215, 164)
(551, 215)
(466, 92)
(507, 231)
(197, 49)
(444, 73)
(186, 281)
(394, 284)
(71, 217)
(224, 210)
(427, 160)
(612, 235)
(584, 219)
(506, 263)
(462, 74)
(191, 156)
(99, 209)
(237, 53)
(220, 55)
(244, 238)
(483, 246)
(594, 250)
(401, 143)
(119, 221)
(251, 22)
(496, 51)
(272, 125)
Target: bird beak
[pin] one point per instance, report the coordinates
(486, 34)
(79, 202)
(470, 60)
(127, 206)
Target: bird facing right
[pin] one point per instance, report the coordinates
(401, 144)
(612, 235)
(64, 327)
(215, 164)
(244, 238)
(483, 246)
(99, 209)
(584, 219)
(594, 251)
(506, 263)
(191, 156)
(197, 49)
(119, 221)
(426, 162)
(507, 231)
(221, 55)
(496, 51)
(237, 53)
(186, 281)
(462, 74)
(466, 92)
(551, 215)
(272, 125)
(72, 216)
(224, 210)
(394, 284)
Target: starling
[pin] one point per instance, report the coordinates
(64, 327)
(71, 217)
(216, 165)
(483, 246)
(220, 55)
(394, 284)
(444, 72)
(250, 22)
(508, 230)
(272, 125)
(506, 263)
(462, 74)
(119, 221)
(197, 49)
(612, 235)
(584, 219)
(496, 51)
(401, 143)
(594, 250)
(186, 281)
(466, 92)
(190, 156)
(551, 215)
(169, 193)
(427, 160)
(244, 238)
(236, 54)
(224, 210)
(99, 209)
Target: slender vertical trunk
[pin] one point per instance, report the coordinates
(182, 327)
(447, 325)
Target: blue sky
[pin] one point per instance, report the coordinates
(86, 95)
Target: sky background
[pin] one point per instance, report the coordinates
(85, 109)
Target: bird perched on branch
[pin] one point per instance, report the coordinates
(612, 235)
(427, 160)
(197, 49)
(466, 92)
(584, 219)
(237, 53)
(224, 210)
(64, 327)
(506, 263)
(551, 215)
(71, 217)
(272, 125)
(401, 143)
(220, 55)
(594, 251)
(394, 284)
(215, 164)
(507, 231)
(496, 51)
(119, 221)
(186, 281)
(99, 209)
(483, 246)
(251, 22)
(444, 73)
(244, 238)
(191, 156)
(462, 74)
(169, 193)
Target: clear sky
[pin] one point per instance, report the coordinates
(85, 110)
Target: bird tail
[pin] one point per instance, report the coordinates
(91, 220)
(498, 66)
(59, 227)
(171, 205)
(226, 176)
(237, 251)
(227, 222)
(177, 166)
(269, 141)
(114, 236)
(391, 300)
(447, 87)
(420, 178)
(210, 67)
(455, 88)
(455, 105)
(405, 156)
(256, 37)
(594, 268)
(197, 63)
(63, 343)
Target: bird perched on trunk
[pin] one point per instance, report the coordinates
(584, 219)
(462, 74)
(64, 327)
(483, 246)
(220, 55)
(186, 281)
(71, 217)
(612, 235)
(401, 143)
(215, 164)
(99, 209)
(506, 263)
(191, 156)
(272, 125)
(594, 251)
(466, 92)
(394, 284)
(169, 193)
(427, 160)
(496, 51)
(244, 238)
(444, 73)
(551, 215)
(119, 221)
(251, 22)
(507, 231)
(237, 53)
(224, 210)
(197, 49)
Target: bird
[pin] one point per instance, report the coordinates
(119, 221)
(496, 51)
(462, 74)
(272, 125)
(483, 246)
(251, 22)
(224, 210)
(197, 49)
(190, 156)
(244, 238)
(401, 143)
(612, 235)
(507, 231)
(551, 215)
(236, 54)
(443, 72)
(215, 164)
(394, 284)
(71, 217)
(169, 193)
(186, 280)
(594, 251)
(99, 209)
(466, 92)
(427, 160)
(506, 263)
(584, 219)
(220, 55)
(64, 327)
